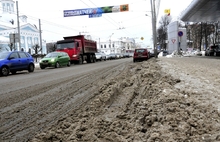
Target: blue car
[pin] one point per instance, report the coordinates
(13, 61)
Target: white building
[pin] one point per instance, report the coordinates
(29, 33)
(3, 43)
(121, 45)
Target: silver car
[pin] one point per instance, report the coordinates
(100, 56)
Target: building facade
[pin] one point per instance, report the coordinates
(116, 45)
(29, 33)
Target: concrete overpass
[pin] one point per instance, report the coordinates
(202, 11)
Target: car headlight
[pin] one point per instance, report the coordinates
(40, 61)
(53, 59)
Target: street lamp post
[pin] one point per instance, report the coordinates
(153, 13)
(19, 35)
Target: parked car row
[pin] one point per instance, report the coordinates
(112, 56)
(13, 61)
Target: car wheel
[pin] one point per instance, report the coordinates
(4, 71)
(31, 68)
(57, 65)
(13, 72)
(69, 63)
(134, 60)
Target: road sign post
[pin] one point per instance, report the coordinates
(180, 34)
(14, 38)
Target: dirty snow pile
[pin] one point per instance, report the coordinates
(142, 104)
(189, 53)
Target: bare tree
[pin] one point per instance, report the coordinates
(202, 34)
(12, 46)
(36, 49)
(162, 31)
(51, 46)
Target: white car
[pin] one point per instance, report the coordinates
(100, 56)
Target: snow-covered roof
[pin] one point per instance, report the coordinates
(7, 19)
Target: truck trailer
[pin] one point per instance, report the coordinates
(78, 48)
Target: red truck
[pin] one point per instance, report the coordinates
(78, 48)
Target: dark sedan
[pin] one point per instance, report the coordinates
(217, 51)
(212, 51)
(141, 54)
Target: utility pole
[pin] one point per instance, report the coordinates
(111, 41)
(99, 44)
(154, 22)
(40, 36)
(19, 36)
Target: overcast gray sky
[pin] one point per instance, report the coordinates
(133, 24)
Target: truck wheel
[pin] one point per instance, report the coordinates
(80, 60)
(93, 58)
(89, 59)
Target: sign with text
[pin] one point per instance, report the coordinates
(95, 15)
(94, 11)
(80, 12)
(14, 38)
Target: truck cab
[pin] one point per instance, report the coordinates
(78, 48)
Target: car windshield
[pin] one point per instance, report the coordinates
(3, 55)
(65, 45)
(140, 50)
(50, 55)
